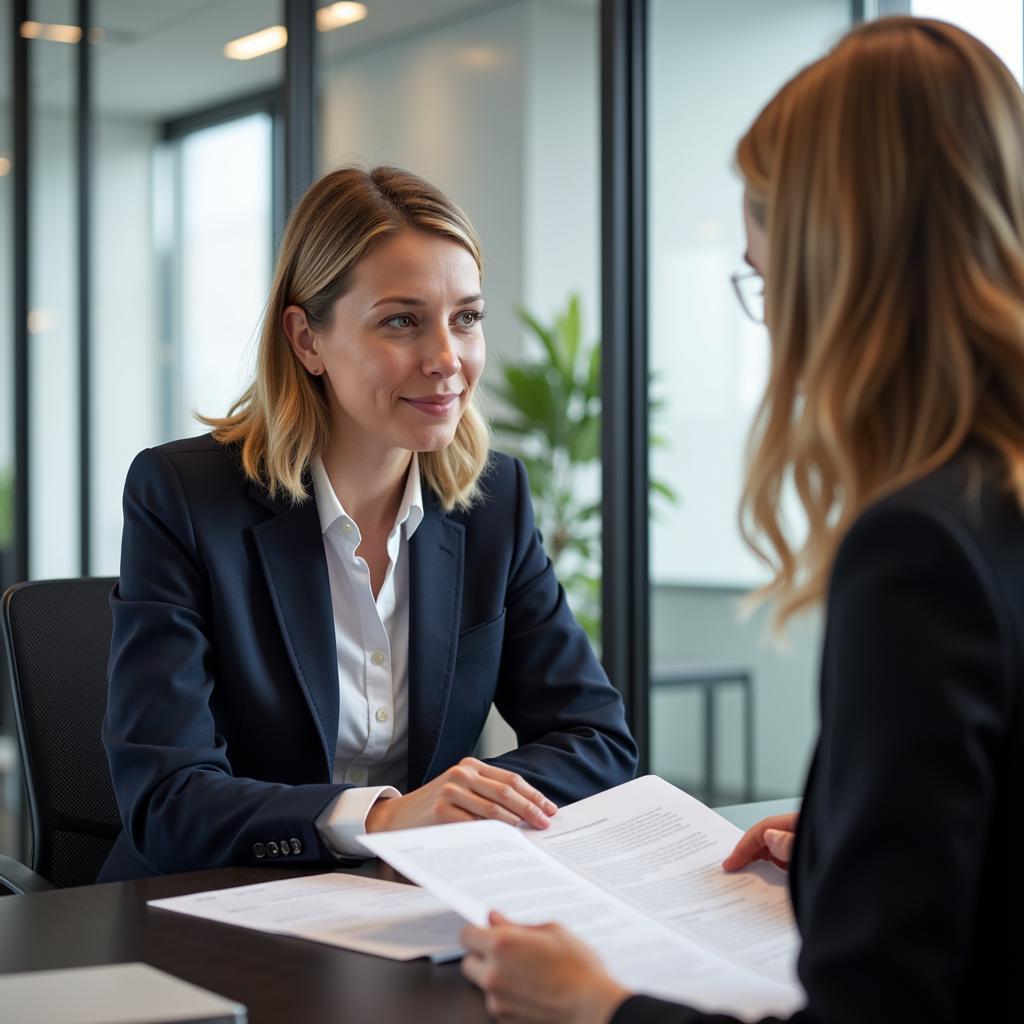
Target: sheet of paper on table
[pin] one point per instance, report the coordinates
(368, 915)
(111, 994)
(636, 872)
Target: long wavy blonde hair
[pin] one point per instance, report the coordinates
(281, 420)
(889, 177)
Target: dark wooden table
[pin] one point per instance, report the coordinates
(281, 980)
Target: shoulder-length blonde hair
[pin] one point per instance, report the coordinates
(889, 176)
(281, 420)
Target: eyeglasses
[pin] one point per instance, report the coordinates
(749, 288)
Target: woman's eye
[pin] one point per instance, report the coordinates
(402, 320)
(469, 317)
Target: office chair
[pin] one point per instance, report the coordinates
(57, 636)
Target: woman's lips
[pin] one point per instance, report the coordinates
(434, 405)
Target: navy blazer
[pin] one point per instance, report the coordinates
(906, 878)
(223, 696)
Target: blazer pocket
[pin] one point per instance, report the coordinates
(479, 638)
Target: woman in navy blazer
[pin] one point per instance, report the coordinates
(228, 670)
(885, 212)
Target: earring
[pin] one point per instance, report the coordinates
(317, 371)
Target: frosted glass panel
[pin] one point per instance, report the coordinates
(225, 260)
(712, 67)
(53, 304)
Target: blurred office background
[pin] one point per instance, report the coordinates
(146, 268)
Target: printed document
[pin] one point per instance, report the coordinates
(368, 915)
(636, 872)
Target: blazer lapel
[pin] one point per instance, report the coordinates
(291, 551)
(435, 605)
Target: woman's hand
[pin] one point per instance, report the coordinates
(770, 839)
(466, 792)
(539, 974)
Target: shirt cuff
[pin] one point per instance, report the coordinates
(344, 819)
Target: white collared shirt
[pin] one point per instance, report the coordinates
(372, 641)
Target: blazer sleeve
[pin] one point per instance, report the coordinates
(916, 702)
(915, 705)
(181, 806)
(568, 718)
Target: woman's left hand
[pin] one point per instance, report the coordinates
(538, 974)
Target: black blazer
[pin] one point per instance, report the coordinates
(223, 707)
(907, 879)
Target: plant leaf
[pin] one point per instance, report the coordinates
(539, 473)
(508, 427)
(529, 392)
(543, 335)
(667, 492)
(585, 440)
(569, 334)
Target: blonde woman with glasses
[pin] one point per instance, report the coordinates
(319, 601)
(884, 209)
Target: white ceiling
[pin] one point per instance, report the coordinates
(162, 58)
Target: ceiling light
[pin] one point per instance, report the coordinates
(40, 321)
(337, 15)
(481, 58)
(52, 33)
(257, 44)
(58, 33)
(274, 38)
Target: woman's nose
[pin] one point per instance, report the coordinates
(442, 359)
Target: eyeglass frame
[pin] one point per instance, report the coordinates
(738, 278)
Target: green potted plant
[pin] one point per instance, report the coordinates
(553, 422)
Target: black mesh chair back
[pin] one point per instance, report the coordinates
(57, 634)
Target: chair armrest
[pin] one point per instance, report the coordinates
(20, 879)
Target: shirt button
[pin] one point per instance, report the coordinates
(377, 657)
(358, 775)
(347, 527)
(382, 714)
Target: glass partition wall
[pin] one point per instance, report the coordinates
(731, 709)
(183, 215)
(150, 226)
(53, 353)
(732, 712)
(157, 342)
